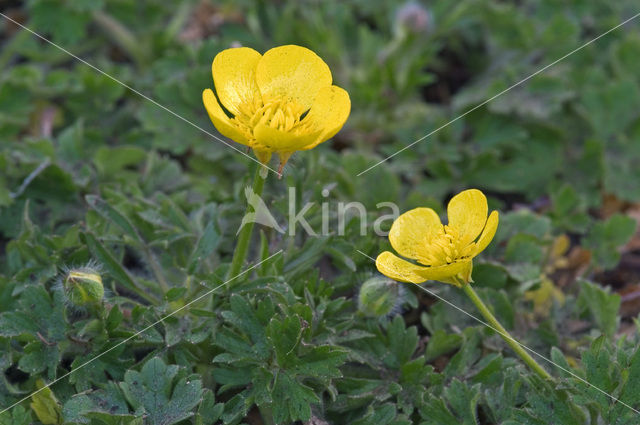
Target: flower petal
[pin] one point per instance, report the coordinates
(467, 213)
(275, 140)
(401, 270)
(412, 231)
(444, 273)
(488, 233)
(233, 73)
(462, 276)
(294, 72)
(329, 112)
(220, 120)
(398, 269)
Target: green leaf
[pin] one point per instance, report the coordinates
(490, 275)
(321, 362)
(45, 405)
(175, 294)
(114, 318)
(285, 336)
(610, 107)
(243, 316)
(569, 209)
(600, 371)
(464, 400)
(468, 354)
(436, 411)
(66, 25)
(112, 214)
(402, 342)
(383, 415)
(114, 161)
(605, 239)
(206, 245)
(630, 393)
(523, 248)
(16, 323)
(291, 400)
(307, 256)
(107, 405)
(601, 304)
(16, 416)
(209, 411)
(39, 357)
(113, 363)
(501, 400)
(442, 343)
(152, 391)
(231, 377)
(111, 265)
(560, 360)
(415, 372)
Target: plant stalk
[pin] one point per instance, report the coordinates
(242, 248)
(515, 346)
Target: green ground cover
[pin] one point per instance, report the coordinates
(97, 182)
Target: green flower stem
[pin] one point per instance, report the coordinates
(471, 293)
(240, 253)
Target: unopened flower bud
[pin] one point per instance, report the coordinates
(83, 286)
(380, 297)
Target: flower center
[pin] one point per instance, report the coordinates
(446, 248)
(276, 112)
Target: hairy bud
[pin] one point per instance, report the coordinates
(83, 286)
(380, 297)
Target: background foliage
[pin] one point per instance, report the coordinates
(91, 172)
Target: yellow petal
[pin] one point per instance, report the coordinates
(413, 230)
(467, 212)
(220, 120)
(488, 233)
(444, 273)
(275, 140)
(401, 270)
(398, 269)
(294, 72)
(233, 73)
(462, 277)
(329, 112)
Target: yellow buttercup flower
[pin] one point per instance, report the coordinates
(282, 101)
(443, 252)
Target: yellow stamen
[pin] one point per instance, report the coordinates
(277, 112)
(446, 248)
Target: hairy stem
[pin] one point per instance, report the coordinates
(242, 248)
(515, 345)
